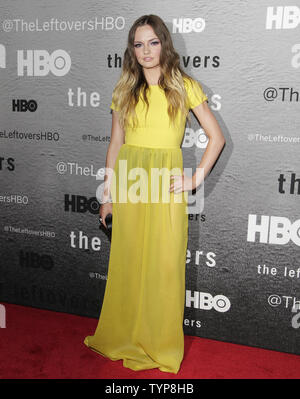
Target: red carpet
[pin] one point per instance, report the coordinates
(44, 344)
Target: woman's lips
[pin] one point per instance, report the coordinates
(148, 58)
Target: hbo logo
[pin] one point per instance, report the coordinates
(24, 105)
(40, 62)
(187, 25)
(276, 230)
(205, 301)
(81, 204)
(197, 138)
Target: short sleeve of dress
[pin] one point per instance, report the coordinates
(113, 106)
(196, 95)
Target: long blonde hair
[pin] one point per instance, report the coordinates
(132, 81)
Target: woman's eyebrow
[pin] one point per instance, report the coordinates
(137, 41)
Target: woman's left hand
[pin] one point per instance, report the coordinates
(181, 183)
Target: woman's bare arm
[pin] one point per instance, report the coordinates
(216, 142)
(116, 141)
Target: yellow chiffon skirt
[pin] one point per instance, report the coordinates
(141, 319)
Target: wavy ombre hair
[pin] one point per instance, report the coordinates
(132, 81)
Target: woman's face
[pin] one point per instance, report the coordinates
(147, 46)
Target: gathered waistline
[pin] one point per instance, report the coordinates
(154, 147)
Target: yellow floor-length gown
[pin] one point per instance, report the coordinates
(141, 319)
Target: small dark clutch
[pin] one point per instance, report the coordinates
(108, 221)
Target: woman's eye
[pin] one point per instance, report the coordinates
(138, 44)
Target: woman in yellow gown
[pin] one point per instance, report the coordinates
(141, 318)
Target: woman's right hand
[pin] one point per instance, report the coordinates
(105, 209)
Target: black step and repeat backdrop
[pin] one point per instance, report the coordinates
(59, 62)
